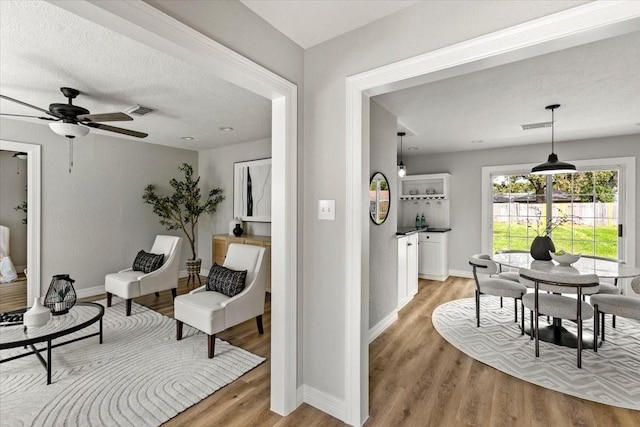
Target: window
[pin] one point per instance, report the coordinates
(589, 208)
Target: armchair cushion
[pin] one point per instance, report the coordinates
(226, 281)
(147, 262)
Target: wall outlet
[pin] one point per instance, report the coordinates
(327, 210)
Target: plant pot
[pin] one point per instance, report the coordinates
(193, 266)
(37, 315)
(540, 248)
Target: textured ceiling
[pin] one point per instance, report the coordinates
(597, 85)
(309, 22)
(43, 48)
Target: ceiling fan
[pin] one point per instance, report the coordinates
(73, 121)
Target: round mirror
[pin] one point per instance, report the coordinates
(379, 198)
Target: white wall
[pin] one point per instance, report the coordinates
(466, 168)
(421, 28)
(13, 187)
(93, 219)
(216, 170)
(383, 279)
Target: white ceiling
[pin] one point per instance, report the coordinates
(309, 22)
(43, 48)
(597, 85)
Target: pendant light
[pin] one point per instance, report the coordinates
(553, 165)
(402, 169)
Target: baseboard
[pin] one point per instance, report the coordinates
(299, 396)
(461, 273)
(325, 402)
(436, 278)
(382, 325)
(20, 268)
(90, 292)
(183, 273)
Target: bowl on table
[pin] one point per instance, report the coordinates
(564, 258)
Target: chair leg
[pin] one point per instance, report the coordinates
(211, 345)
(179, 330)
(500, 302)
(157, 294)
(603, 325)
(174, 293)
(579, 341)
(199, 282)
(128, 309)
(596, 327)
(259, 323)
(515, 308)
(531, 322)
(614, 320)
(109, 298)
(477, 309)
(521, 317)
(537, 330)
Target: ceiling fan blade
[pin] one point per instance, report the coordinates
(31, 106)
(116, 129)
(106, 117)
(35, 117)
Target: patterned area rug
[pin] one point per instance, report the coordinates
(611, 376)
(139, 376)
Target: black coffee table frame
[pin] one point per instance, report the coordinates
(30, 342)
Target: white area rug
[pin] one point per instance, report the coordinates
(611, 376)
(139, 376)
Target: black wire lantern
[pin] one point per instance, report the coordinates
(61, 295)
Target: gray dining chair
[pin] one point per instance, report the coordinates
(617, 305)
(484, 271)
(556, 305)
(608, 288)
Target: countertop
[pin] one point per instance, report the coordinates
(405, 231)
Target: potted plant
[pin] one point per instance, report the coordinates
(542, 243)
(182, 209)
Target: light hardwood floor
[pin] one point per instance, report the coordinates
(416, 379)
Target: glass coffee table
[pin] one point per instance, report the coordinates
(80, 316)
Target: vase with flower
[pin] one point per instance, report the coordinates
(542, 243)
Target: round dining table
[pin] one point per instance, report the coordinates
(603, 268)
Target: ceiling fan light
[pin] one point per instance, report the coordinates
(69, 129)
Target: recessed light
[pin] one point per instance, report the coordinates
(187, 138)
(477, 141)
(226, 129)
(412, 149)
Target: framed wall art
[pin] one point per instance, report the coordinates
(252, 190)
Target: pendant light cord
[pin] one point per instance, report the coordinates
(553, 126)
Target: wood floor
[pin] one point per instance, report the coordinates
(416, 379)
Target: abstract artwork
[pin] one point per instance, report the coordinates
(252, 190)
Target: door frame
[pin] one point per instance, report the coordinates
(34, 190)
(582, 24)
(139, 21)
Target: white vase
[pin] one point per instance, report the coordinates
(37, 315)
(232, 225)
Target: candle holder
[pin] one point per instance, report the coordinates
(61, 295)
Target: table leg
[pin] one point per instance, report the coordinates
(48, 362)
(101, 330)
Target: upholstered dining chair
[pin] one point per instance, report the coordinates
(130, 283)
(484, 270)
(556, 305)
(212, 312)
(618, 305)
(608, 288)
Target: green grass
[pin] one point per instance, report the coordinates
(606, 239)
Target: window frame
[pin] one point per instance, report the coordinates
(626, 198)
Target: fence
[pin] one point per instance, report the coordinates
(599, 214)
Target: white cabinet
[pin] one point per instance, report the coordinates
(424, 195)
(433, 186)
(407, 268)
(433, 263)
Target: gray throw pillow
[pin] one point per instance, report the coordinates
(147, 262)
(226, 281)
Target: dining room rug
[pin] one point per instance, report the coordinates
(610, 376)
(140, 376)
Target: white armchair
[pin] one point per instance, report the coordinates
(130, 283)
(213, 312)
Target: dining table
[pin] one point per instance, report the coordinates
(604, 268)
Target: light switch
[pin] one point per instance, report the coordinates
(327, 209)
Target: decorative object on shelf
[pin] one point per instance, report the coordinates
(61, 295)
(402, 169)
(540, 248)
(379, 198)
(565, 258)
(553, 165)
(182, 209)
(252, 190)
(37, 315)
(232, 225)
(237, 231)
(423, 221)
(417, 221)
